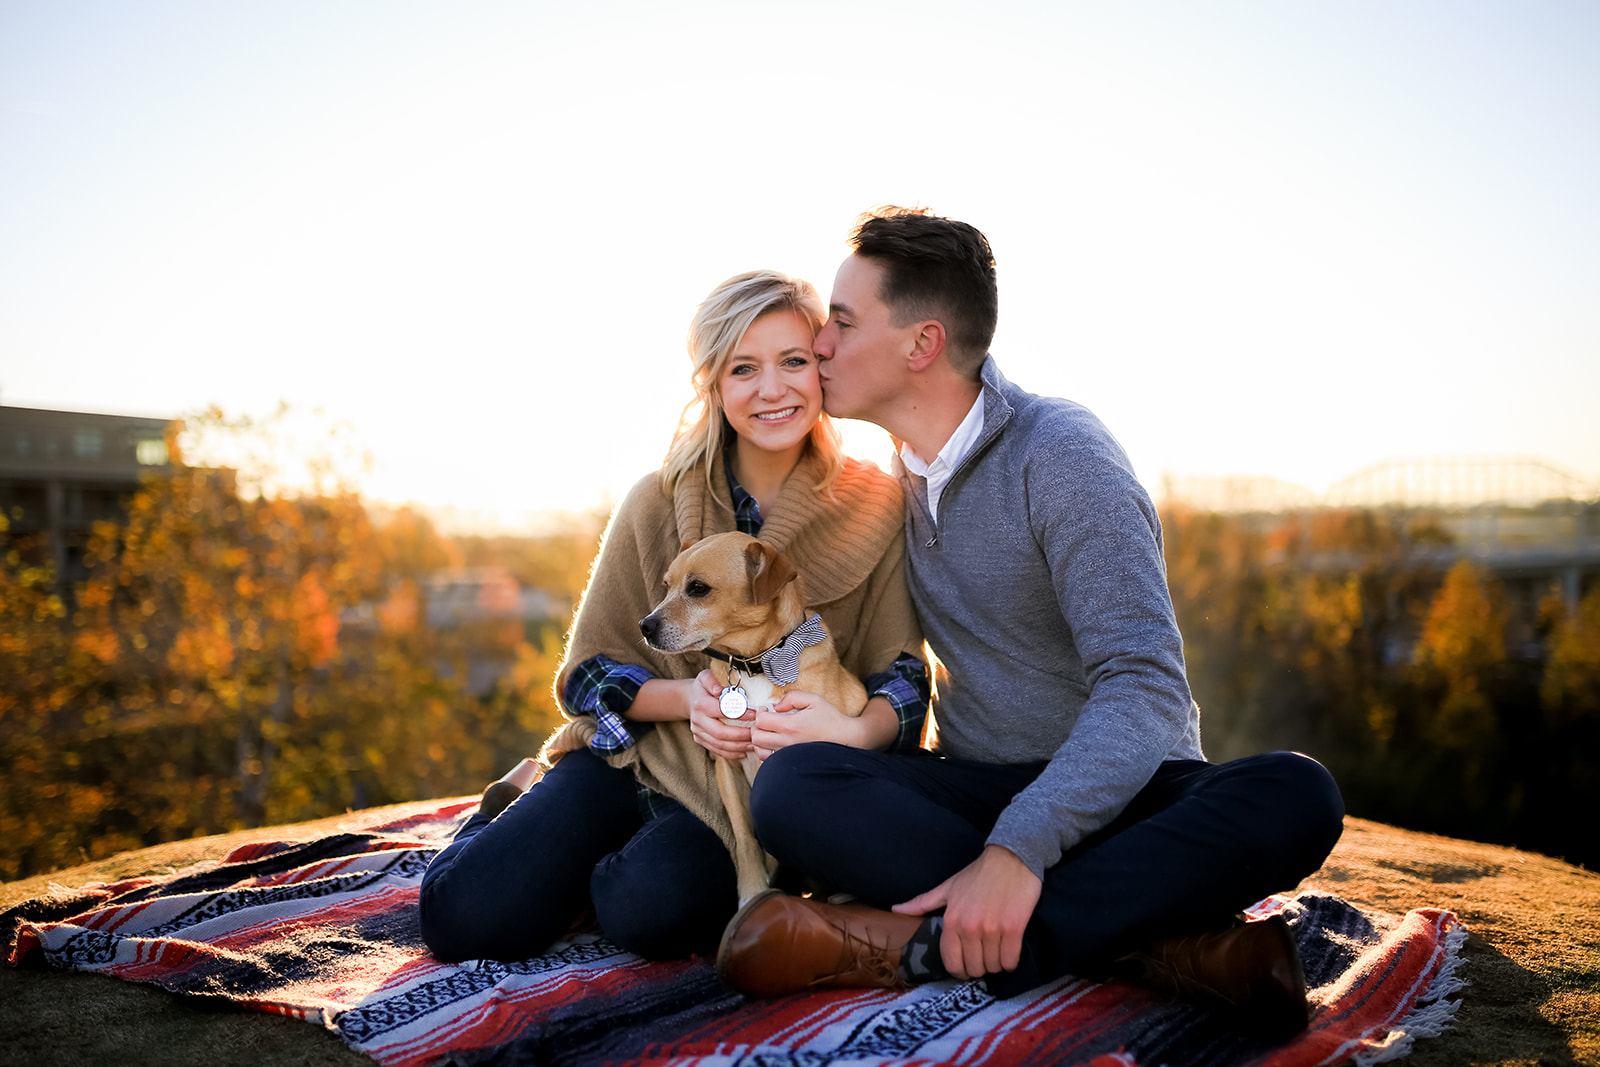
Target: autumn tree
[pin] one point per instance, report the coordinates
(1571, 687)
(42, 667)
(1290, 623)
(1570, 700)
(1462, 643)
(1458, 746)
(245, 651)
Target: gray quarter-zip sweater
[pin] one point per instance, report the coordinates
(1043, 593)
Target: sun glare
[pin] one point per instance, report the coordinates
(1252, 240)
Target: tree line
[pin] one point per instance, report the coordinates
(239, 659)
(242, 657)
(1329, 632)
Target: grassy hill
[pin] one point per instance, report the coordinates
(1532, 960)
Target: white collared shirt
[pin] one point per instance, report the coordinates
(949, 458)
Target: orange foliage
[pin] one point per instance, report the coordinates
(1464, 632)
(215, 671)
(1335, 633)
(1571, 686)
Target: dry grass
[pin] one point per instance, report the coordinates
(1532, 958)
(1533, 945)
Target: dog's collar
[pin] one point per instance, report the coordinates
(781, 662)
(742, 664)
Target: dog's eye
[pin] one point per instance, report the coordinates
(696, 588)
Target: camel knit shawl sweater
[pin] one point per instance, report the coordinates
(850, 552)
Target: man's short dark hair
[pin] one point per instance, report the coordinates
(934, 268)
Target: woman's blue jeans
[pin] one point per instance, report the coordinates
(507, 887)
(1199, 843)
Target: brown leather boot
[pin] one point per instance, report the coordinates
(1252, 971)
(777, 944)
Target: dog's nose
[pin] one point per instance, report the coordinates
(650, 626)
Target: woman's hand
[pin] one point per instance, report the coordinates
(799, 717)
(716, 733)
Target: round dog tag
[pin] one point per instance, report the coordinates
(733, 702)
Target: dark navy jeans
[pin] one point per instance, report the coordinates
(507, 887)
(1198, 844)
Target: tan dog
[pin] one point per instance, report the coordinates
(739, 598)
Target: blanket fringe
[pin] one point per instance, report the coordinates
(1432, 1015)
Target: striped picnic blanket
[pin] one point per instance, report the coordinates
(326, 931)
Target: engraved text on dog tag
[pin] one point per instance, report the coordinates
(733, 702)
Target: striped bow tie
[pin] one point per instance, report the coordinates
(781, 662)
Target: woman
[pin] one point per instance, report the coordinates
(599, 828)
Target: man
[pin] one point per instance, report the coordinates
(1071, 825)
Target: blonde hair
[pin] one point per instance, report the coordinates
(718, 326)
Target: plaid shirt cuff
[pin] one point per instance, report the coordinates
(604, 689)
(905, 686)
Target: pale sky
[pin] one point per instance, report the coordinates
(1275, 239)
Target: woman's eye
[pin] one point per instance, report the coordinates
(797, 361)
(741, 370)
(696, 588)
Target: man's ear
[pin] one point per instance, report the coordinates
(927, 345)
(769, 571)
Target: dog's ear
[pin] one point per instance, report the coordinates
(768, 570)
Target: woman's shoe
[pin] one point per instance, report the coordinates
(498, 795)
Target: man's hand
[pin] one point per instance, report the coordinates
(801, 716)
(717, 734)
(987, 905)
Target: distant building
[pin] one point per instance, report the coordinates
(62, 471)
(1528, 522)
(471, 595)
(494, 609)
(478, 595)
(1531, 525)
(1235, 493)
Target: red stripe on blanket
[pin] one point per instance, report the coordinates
(510, 1008)
(238, 942)
(1376, 994)
(1059, 1026)
(256, 850)
(449, 810)
(444, 813)
(329, 868)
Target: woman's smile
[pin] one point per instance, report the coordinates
(774, 416)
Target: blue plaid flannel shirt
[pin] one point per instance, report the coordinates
(604, 689)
